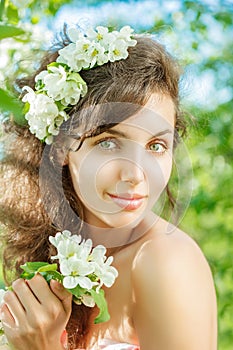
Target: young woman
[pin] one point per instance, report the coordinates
(106, 159)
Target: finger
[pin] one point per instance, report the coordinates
(62, 294)
(15, 309)
(40, 289)
(6, 317)
(24, 293)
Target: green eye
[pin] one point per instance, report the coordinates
(107, 144)
(157, 147)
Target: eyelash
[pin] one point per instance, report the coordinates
(161, 143)
(110, 139)
(117, 145)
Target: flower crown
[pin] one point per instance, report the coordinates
(61, 86)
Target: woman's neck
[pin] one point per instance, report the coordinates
(114, 239)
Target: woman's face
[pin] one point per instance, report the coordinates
(120, 174)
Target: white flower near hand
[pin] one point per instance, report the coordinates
(61, 85)
(63, 237)
(98, 254)
(106, 273)
(81, 264)
(75, 272)
(67, 245)
(85, 249)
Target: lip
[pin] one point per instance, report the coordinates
(128, 201)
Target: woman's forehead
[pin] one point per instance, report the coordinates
(156, 116)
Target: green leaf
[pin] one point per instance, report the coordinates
(52, 275)
(7, 31)
(9, 103)
(48, 267)
(33, 266)
(27, 275)
(48, 271)
(12, 14)
(77, 291)
(2, 7)
(101, 302)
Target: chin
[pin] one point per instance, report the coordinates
(126, 220)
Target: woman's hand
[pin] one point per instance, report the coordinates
(34, 315)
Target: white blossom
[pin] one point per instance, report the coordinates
(75, 272)
(97, 54)
(118, 50)
(106, 273)
(98, 254)
(44, 117)
(63, 237)
(67, 244)
(125, 34)
(101, 35)
(63, 86)
(97, 47)
(75, 55)
(78, 261)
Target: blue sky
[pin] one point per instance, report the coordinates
(138, 13)
(142, 15)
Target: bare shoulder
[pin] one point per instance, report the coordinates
(173, 291)
(166, 247)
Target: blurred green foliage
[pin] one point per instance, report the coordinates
(203, 35)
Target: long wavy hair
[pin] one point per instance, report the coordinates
(28, 216)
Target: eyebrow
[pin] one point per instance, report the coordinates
(124, 135)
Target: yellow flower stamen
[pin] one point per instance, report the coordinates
(99, 36)
(116, 52)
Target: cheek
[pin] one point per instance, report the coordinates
(92, 178)
(166, 168)
(106, 176)
(158, 175)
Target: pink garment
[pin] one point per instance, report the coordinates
(108, 344)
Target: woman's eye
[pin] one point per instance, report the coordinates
(107, 144)
(157, 147)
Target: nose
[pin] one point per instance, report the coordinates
(132, 173)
